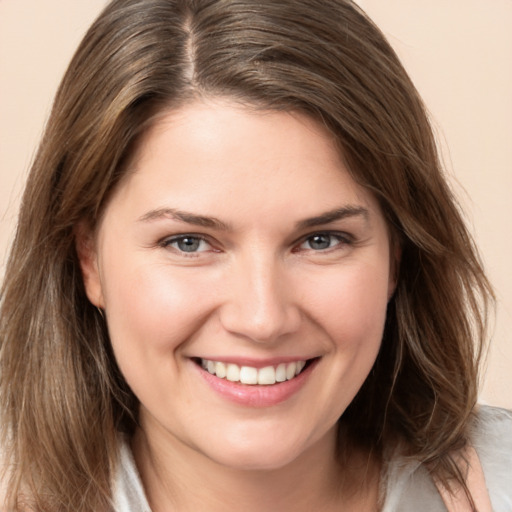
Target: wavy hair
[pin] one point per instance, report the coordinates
(62, 397)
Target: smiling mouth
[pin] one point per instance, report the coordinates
(250, 375)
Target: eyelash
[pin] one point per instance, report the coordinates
(343, 239)
(167, 243)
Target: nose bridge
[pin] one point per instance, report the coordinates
(259, 304)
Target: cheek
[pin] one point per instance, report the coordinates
(352, 312)
(151, 313)
(351, 305)
(151, 309)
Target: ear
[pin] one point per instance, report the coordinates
(86, 248)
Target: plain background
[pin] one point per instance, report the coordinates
(458, 53)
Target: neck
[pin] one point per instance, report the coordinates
(177, 477)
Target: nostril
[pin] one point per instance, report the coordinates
(263, 326)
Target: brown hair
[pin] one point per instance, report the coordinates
(62, 397)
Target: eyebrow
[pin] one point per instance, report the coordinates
(333, 215)
(189, 218)
(214, 223)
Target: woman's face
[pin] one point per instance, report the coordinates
(245, 278)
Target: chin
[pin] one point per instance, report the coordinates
(267, 451)
(255, 460)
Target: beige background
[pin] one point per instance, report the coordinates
(458, 52)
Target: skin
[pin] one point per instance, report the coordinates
(257, 285)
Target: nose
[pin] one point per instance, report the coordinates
(259, 303)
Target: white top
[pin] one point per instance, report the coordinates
(407, 485)
(128, 491)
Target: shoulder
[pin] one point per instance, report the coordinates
(491, 436)
(128, 491)
(491, 426)
(409, 486)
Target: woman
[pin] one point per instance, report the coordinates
(239, 277)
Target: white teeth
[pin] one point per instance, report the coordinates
(220, 370)
(233, 372)
(266, 375)
(290, 370)
(281, 373)
(249, 375)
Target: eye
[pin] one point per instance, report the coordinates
(187, 243)
(323, 241)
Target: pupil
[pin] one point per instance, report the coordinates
(320, 242)
(189, 244)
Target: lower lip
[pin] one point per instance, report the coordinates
(257, 395)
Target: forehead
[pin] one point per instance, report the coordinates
(218, 125)
(219, 155)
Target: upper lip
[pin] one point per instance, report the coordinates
(255, 362)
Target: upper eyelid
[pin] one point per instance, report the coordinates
(343, 235)
(167, 241)
(180, 236)
(328, 232)
(345, 239)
